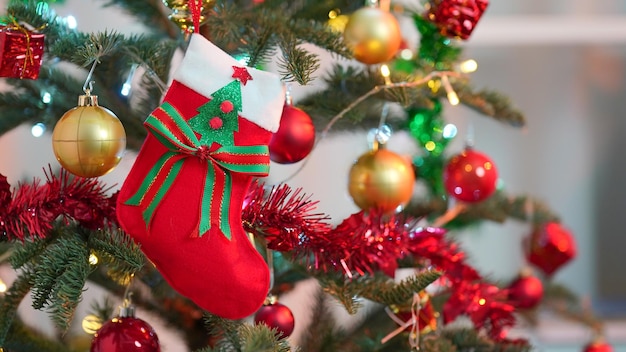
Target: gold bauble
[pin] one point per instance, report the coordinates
(181, 14)
(89, 140)
(373, 35)
(381, 179)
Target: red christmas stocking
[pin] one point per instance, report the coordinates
(183, 197)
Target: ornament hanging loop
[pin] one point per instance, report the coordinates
(378, 137)
(88, 86)
(88, 99)
(288, 96)
(128, 309)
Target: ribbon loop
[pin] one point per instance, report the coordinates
(168, 126)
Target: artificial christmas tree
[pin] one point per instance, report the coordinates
(210, 128)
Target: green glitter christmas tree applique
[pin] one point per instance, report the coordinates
(217, 120)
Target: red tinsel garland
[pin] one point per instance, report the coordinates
(369, 242)
(283, 217)
(31, 209)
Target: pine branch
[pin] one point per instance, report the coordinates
(260, 338)
(377, 288)
(225, 24)
(489, 103)
(296, 64)
(24, 339)
(342, 291)
(469, 339)
(500, 207)
(568, 305)
(119, 253)
(12, 299)
(29, 251)
(60, 276)
(150, 13)
(390, 293)
(344, 85)
(465, 339)
(321, 334)
(258, 29)
(318, 9)
(319, 34)
(434, 343)
(227, 330)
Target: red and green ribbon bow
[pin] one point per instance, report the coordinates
(169, 127)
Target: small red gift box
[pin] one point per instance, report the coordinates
(456, 18)
(21, 52)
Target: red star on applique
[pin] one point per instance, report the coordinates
(242, 74)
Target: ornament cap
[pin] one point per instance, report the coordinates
(127, 312)
(270, 300)
(371, 3)
(87, 100)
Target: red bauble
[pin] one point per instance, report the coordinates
(456, 18)
(525, 292)
(598, 346)
(276, 316)
(470, 176)
(125, 334)
(295, 137)
(550, 246)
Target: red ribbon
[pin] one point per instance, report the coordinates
(196, 12)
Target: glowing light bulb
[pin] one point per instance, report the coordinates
(93, 259)
(38, 129)
(384, 70)
(127, 86)
(406, 54)
(71, 22)
(3, 286)
(453, 98)
(46, 97)
(449, 131)
(125, 89)
(468, 66)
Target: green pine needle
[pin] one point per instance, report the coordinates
(260, 338)
(28, 251)
(118, 252)
(227, 329)
(378, 288)
(59, 277)
(391, 293)
(12, 299)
